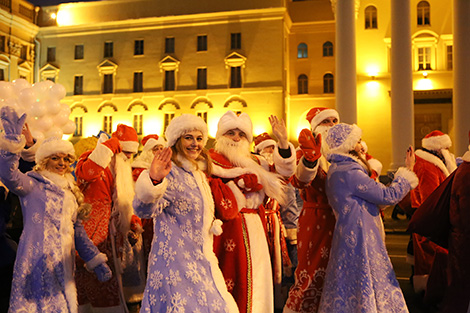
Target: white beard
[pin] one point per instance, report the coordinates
(124, 190)
(451, 165)
(238, 153)
(323, 130)
(268, 156)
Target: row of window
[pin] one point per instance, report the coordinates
(302, 50)
(423, 15)
(328, 84)
(108, 49)
(168, 84)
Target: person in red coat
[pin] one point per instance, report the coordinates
(433, 165)
(105, 177)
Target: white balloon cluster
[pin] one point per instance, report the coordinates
(46, 116)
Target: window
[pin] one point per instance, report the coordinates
(202, 43)
(108, 49)
(235, 41)
(424, 58)
(78, 126)
(302, 82)
(79, 52)
(50, 54)
(302, 51)
(138, 81)
(170, 45)
(424, 13)
(78, 85)
(203, 115)
(167, 119)
(449, 58)
(139, 47)
(108, 83)
(138, 118)
(328, 49)
(108, 124)
(370, 17)
(24, 52)
(328, 83)
(2, 43)
(169, 80)
(52, 79)
(201, 78)
(2, 74)
(235, 77)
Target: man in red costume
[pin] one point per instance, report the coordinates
(434, 163)
(105, 177)
(242, 248)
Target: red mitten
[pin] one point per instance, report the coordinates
(248, 182)
(136, 224)
(113, 144)
(310, 145)
(226, 206)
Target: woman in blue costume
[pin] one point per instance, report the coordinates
(359, 276)
(183, 271)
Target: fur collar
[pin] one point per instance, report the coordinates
(63, 182)
(339, 157)
(190, 166)
(431, 158)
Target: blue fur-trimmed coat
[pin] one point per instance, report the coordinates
(359, 277)
(183, 272)
(43, 273)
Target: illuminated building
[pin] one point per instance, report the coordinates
(143, 62)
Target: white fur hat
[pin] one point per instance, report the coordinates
(436, 140)
(127, 137)
(230, 121)
(316, 115)
(52, 146)
(342, 138)
(183, 124)
(151, 141)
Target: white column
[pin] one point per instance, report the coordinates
(401, 83)
(461, 66)
(345, 61)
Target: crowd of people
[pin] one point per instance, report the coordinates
(182, 228)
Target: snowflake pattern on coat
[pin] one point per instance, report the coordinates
(180, 275)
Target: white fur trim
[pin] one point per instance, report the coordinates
(183, 124)
(420, 282)
(152, 142)
(97, 260)
(410, 176)
(216, 227)
(306, 174)
(12, 146)
(239, 196)
(433, 159)
(321, 116)
(228, 172)
(29, 154)
(101, 155)
(349, 143)
(52, 146)
(466, 156)
(436, 142)
(285, 166)
(264, 144)
(230, 121)
(375, 165)
(130, 146)
(146, 191)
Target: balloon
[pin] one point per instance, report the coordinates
(42, 89)
(54, 132)
(6, 90)
(69, 127)
(66, 108)
(44, 123)
(53, 106)
(27, 97)
(39, 109)
(37, 134)
(57, 92)
(20, 84)
(61, 118)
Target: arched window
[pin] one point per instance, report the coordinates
(370, 17)
(328, 83)
(302, 51)
(302, 83)
(328, 49)
(424, 13)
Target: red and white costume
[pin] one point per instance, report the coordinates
(109, 220)
(242, 249)
(431, 171)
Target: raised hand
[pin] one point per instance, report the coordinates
(12, 124)
(280, 131)
(113, 144)
(310, 145)
(161, 165)
(410, 158)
